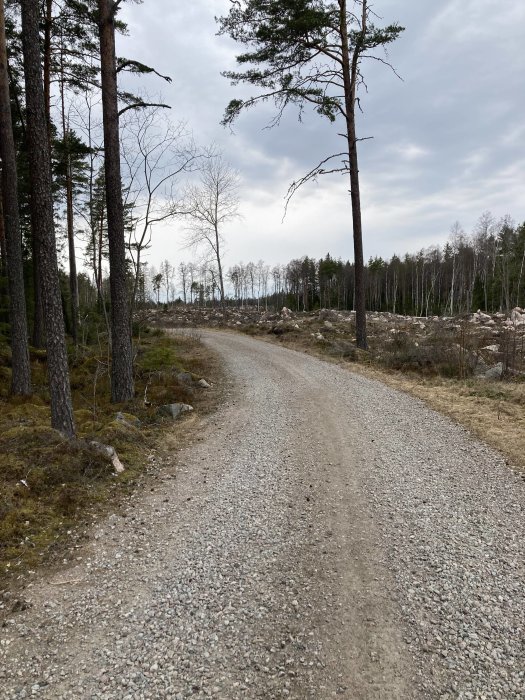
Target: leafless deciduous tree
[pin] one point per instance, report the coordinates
(155, 154)
(209, 205)
(168, 277)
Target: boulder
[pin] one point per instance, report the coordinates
(495, 372)
(517, 316)
(174, 410)
(109, 452)
(127, 419)
(203, 384)
(184, 377)
(327, 315)
(481, 317)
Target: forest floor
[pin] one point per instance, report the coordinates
(51, 489)
(470, 368)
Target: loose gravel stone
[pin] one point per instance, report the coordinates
(327, 537)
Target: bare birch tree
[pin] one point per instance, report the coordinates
(209, 205)
(155, 154)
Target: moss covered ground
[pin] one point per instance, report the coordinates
(48, 485)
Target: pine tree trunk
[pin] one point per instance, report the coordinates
(38, 338)
(122, 357)
(48, 24)
(3, 250)
(38, 335)
(350, 77)
(21, 369)
(73, 279)
(43, 223)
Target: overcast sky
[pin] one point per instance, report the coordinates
(448, 139)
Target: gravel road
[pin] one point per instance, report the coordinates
(325, 537)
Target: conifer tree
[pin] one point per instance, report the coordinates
(21, 372)
(43, 222)
(309, 52)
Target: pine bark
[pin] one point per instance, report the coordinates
(21, 369)
(38, 313)
(122, 356)
(3, 251)
(48, 25)
(43, 223)
(73, 278)
(350, 84)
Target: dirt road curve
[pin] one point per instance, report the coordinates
(327, 537)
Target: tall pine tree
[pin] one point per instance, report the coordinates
(309, 52)
(43, 222)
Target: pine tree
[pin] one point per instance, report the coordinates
(309, 52)
(21, 371)
(43, 223)
(122, 357)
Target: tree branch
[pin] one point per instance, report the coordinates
(314, 174)
(142, 105)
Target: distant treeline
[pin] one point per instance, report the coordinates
(484, 270)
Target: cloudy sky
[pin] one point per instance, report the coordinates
(448, 139)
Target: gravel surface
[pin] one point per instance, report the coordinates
(325, 537)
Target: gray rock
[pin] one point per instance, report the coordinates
(184, 377)
(128, 419)
(327, 315)
(109, 452)
(174, 410)
(495, 372)
(203, 384)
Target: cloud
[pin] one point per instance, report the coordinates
(448, 140)
(410, 151)
(472, 21)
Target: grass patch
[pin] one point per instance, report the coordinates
(49, 485)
